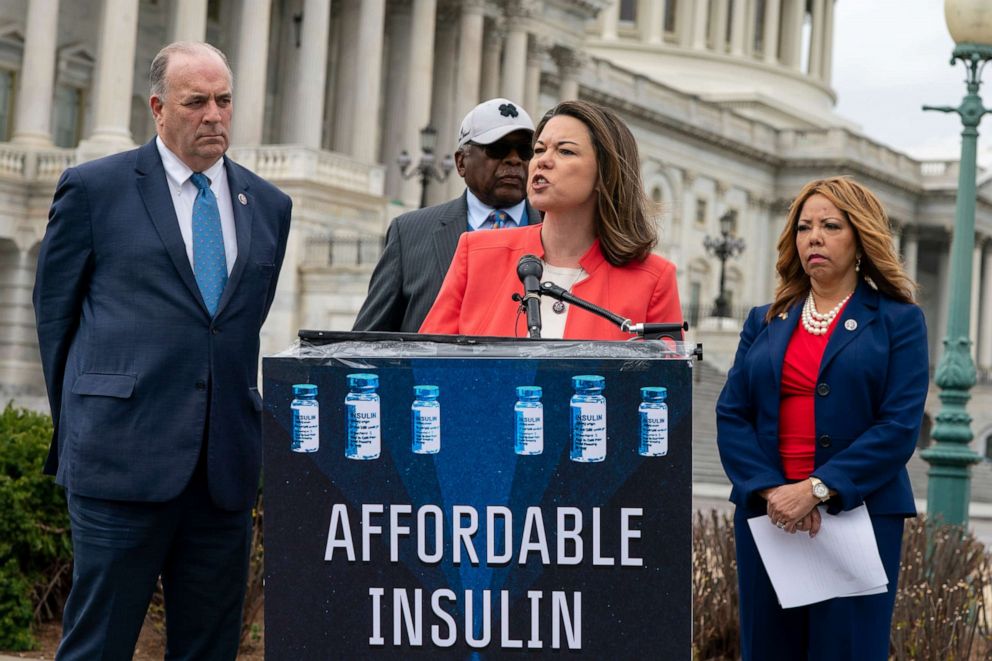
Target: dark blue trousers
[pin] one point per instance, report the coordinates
(850, 628)
(121, 548)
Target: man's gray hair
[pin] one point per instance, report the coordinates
(161, 62)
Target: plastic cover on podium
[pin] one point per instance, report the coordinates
(416, 530)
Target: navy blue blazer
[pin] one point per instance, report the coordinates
(870, 393)
(139, 375)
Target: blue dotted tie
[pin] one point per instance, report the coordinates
(209, 261)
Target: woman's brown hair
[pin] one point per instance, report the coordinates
(880, 264)
(622, 224)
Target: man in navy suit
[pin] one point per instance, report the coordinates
(157, 270)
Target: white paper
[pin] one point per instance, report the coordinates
(841, 561)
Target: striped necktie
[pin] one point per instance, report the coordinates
(209, 261)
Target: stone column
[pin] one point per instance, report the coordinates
(189, 20)
(610, 16)
(346, 76)
(699, 19)
(371, 21)
(909, 246)
(33, 116)
(684, 22)
(420, 75)
(826, 65)
(492, 56)
(536, 55)
(985, 339)
(651, 20)
(469, 62)
(770, 41)
(305, 120)
(398, 33)
(750, 25)
(793, 14)
(443, 97)
(816, 40)
(113, 86)
(515, 58)
(570, 65)
(250, 70)
(718, 32)
(738, 23)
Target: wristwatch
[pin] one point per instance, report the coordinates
(820, 490)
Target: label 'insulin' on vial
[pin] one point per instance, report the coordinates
(306, 427)
(654, 432)
(529, 430)
(364, 437)
(588, 431)
(426, 429)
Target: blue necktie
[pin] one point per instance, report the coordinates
(209, 261)
(500, 219)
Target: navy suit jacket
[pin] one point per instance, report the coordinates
(139, 375)
(870, 393)
(408, 276)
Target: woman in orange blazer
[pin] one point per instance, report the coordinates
(595, 241)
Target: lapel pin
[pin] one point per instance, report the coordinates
(243, 199)
(783, 315)
(851, 324)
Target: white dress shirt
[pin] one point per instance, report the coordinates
(478, 212)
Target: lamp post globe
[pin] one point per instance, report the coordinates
(950, 457)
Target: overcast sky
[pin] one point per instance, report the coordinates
(890, 58)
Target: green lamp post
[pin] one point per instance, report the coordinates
(950, 458)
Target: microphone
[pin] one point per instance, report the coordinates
(530, 270)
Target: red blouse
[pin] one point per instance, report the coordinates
(797, 418)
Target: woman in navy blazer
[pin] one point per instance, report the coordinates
(825, 408)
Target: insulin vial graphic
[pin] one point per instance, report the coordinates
(529, 416)
(588, 419)
(362, 413)
(306, 418)
(425, 416)
(654, 422)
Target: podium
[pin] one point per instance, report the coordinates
(474, 551)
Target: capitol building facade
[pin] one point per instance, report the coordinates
(730, 101)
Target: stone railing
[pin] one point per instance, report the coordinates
(342, 250)
(34, 164)
(276, 162)
(282, 163)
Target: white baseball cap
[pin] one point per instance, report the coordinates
(491, 120)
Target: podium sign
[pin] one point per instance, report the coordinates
(474, 551)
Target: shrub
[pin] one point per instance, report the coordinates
(714, 588)
(943, 609)
(34, 530)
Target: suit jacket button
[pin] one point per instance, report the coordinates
(823, 390)
(201, 385)
(824, 441)
(214, 330)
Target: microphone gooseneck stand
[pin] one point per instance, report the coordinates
(670, 330)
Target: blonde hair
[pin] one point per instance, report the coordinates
(880, 263)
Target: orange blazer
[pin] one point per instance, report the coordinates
(476, 296)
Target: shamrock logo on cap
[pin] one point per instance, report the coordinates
(508, 110)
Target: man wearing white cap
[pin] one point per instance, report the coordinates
(494, 148)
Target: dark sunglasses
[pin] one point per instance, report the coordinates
(501, 149)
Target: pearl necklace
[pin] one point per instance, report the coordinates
(816, 323)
